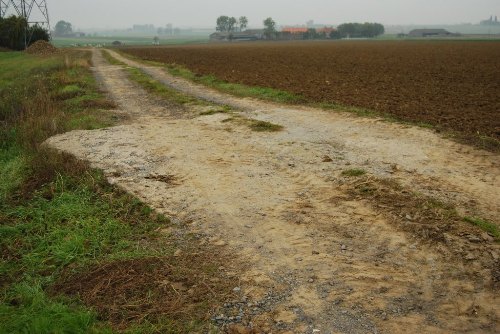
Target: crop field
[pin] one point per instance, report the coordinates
(63, 42)
(449, 85)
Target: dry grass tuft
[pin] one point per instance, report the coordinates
(185, 289)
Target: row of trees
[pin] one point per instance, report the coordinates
(15, 33)
(346, 30)
(231, 24)
(358, 30)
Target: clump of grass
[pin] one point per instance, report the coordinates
(217, 110)
(485, 226)
(263, 126)
(255, 125)
(353, 172)
(70, 91)
(38, 313)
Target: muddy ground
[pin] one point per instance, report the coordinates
(448, 84)
(325, 251)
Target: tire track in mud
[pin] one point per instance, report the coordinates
(317, 257)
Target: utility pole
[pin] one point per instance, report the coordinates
(35, 12)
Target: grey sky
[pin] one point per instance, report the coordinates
(203, 13)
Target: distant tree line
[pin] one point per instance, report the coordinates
(347, 30)
(358, 30)
(15, 31)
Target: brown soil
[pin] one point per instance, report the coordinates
(451, 85)
(385, 252)
(41, 48)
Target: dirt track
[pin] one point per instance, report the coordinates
(451, 85)
(319, 258)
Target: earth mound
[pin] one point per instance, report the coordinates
(41, 48)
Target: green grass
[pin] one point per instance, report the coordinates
(48, 220)
(38, 313)
(353, 172)
(217, 110)
(13, 168)
(269, 94)
(59, 219)
(485, 226)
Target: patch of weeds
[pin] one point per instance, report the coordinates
(217, 110)
(230, 119)
(485, 225)
(13, 169)
(353, 172)
(146, 290)
(263, 126)
(254, 125)
(69, 91)
(425, 218)
(90, 121)
(180, 71)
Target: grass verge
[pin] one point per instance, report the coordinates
(65, 233)
(265, 93)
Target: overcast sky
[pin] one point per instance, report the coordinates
(203, 13)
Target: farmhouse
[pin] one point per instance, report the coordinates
(430, 33)
(247, 35)
(294, 30)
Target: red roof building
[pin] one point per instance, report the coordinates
(294, 30)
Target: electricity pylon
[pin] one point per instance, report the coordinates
(35, 13)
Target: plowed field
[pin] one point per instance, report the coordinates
(451, 85)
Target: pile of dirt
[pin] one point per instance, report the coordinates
(41, 48)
